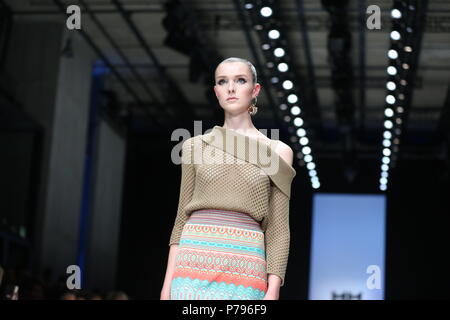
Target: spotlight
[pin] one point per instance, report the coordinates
(265, 46)
(384, 167)
(396, 14)
(392, 70)
(388, 124)
(274, 79)
(278, 52)
(287, 84)
(387, 152)
(314, 179)
(304, 141)
(295, 110)
(316, 185)
(408, 49)
(403, 82)
(274, 34)
(405, 66)
(386, 143)
(311, 165)
(308, 158)
(384, 174)
(395, 35)
(266, 12)
(301, 132)
(387, 135)
(383, 180)
(312, 173)
(390, 99)
(390, 85)
(283, 67)
(248, 6)
(292, 98)
(388, 112)
(298, 122)
(398, 121)
(386, 160)
(393, 54)
(306, 150)
(383, 187)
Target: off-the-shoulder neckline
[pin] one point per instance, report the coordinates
(223, 130)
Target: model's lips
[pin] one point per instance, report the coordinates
(232, 98)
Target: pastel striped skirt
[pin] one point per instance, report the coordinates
(221, 256)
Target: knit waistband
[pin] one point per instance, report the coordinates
(224, 218)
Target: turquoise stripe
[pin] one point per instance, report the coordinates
(187, 288)
(222, 245)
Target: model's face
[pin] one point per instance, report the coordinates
(234, 79)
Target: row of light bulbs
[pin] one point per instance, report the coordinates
(393, 111)
(292, 99)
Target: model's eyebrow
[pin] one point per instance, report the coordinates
(238, 75)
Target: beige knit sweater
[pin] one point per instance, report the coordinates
(227, 170)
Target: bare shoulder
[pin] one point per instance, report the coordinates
(284, 151)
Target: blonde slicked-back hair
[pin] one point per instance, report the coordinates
(250, 65)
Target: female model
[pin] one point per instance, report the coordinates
(230, 238)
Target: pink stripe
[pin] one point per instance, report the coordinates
(226, 215)
(214, 218)
(226, 219)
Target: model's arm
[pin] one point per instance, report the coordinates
(165, 292)
(186, 192)
(278, 234)
(277, 238)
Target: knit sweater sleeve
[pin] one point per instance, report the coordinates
(186, 190)
(277, 234)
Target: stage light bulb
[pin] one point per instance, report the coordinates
(396, 14)
(393, 54)
(278, 52)
(292, 98)
(266, 12)
(283, 67)
(274, 34)
(395, 35)
(301, 132)
(392, 70)
(287, 84)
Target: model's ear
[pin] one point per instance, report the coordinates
(256, 89)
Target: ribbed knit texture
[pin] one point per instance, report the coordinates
(241, 187)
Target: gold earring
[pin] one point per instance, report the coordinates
(253, 109)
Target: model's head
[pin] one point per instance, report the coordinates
(236, 77)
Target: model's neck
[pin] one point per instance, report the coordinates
(245, 127)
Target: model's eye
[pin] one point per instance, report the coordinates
(243, 80)
(220, 81)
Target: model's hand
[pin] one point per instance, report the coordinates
(271, 296)
(273, 288)
(165, 294)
